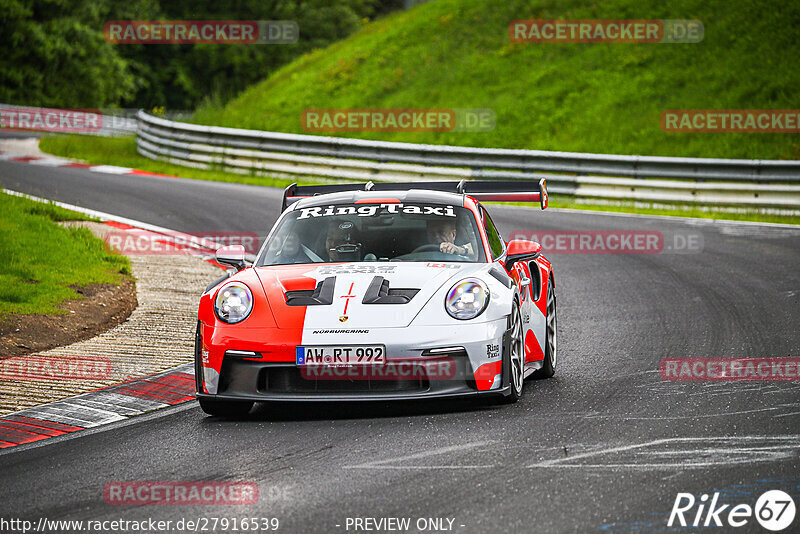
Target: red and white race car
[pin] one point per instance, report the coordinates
(376, 292)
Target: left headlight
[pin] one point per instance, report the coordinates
(467, 299)
(234, 302)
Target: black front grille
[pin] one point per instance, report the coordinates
(290, 380)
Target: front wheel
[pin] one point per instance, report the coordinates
(551, 336)
(516, 358)
(222, 408)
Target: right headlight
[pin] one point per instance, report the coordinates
(467, 299)
(234, 302)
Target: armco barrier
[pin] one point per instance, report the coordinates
(758, 183)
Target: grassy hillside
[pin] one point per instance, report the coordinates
(604, 98)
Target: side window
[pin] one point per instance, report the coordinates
(495, 241)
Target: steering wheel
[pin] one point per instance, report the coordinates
(426, 248)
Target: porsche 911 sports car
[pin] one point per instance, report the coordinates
(377, 292)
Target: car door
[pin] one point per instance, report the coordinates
(533, 323)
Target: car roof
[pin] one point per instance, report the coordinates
(411, 195)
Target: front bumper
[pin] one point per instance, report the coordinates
(269, 381)
(265, 379)
(359, 398)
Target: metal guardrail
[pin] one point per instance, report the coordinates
(760, 183)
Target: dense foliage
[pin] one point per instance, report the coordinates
(55, 53)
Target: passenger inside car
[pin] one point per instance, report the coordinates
(293, 251)
(443, 232)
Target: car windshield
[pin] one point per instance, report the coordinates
(374, 232)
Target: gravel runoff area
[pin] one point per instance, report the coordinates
(158, 335)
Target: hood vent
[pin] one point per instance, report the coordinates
(378, 292)
(322, 295)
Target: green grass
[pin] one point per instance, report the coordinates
(645, 208)
(602, 98)
(42, 259)
(53, 212)
(121, 151)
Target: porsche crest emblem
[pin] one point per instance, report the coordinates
(343, 318)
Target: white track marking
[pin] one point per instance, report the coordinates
(50, 162)
(110, 169)
(72, 414)
(677, 417)
(723, 450)
(380, 464)
(109, 217)
(93, 213)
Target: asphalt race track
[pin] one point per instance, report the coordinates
(606, 445)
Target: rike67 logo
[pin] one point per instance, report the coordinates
(774, 510)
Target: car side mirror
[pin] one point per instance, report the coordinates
(521, 250)
(232, 255)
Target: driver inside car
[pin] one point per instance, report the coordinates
(342, 242)
(443, 232)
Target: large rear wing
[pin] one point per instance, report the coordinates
(517, 191)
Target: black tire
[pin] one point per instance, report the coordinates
(225, 408)
(516, 358)
(551, 336)
(198, 365)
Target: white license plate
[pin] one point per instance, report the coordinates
(341, 355)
